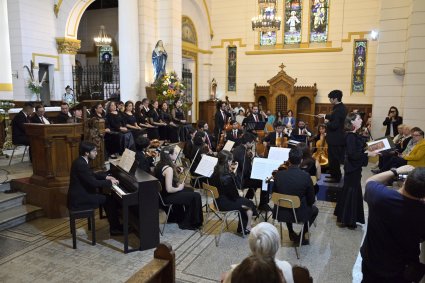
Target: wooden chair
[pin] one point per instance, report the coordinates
(166, 205)
(161, 269)
(301, 274)
(290, 202)
(212, 192)
(78, 214)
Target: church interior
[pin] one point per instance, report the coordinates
(278, 56)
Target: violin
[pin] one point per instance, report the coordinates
(283, 166)
(155, 143)
(228, 125)
(220, 144)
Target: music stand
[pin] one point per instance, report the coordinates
(299, 138)
(255, 125)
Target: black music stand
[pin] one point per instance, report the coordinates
(250, 126)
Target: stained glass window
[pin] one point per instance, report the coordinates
(268, 38)
(359, 66)
(231, 68)
(319, 18)
(292, 22)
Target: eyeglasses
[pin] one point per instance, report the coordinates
(393, 111)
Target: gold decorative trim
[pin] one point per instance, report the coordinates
(6, 87)
(293, 51)
(207, 64)
(209, 19)
(67, 45)
(78, 18)
(57, 7)
(351, 34)
(304, 44)
(230, 41)
(193, 48)
(35, 55)
(188, 23)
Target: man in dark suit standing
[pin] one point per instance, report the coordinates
(335, 136)
(83, 183)
(235, 133)
(256, 116)
(220, 119)
(296, 182)
(39, 118)
(19, 137)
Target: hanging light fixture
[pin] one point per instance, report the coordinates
(267, 20)
(102, 38)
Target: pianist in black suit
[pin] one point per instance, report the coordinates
(83, 184)
(39, 118)
(187, 204)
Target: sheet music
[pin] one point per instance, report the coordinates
(229, 145)
(262, 168)
(279, 153)
(379, 145)
(264, 186)
(206, 165)
(127, 160)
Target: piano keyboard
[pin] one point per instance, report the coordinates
(118, 190)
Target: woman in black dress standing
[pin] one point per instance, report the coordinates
(187, 204)
(392, 122)
(180, 119)
(225, 180)
(349, 206)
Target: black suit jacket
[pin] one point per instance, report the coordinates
(219, 122)
(335, 127)
(271, 138)
(296, 182)
(239, 155)
(35, 119)
(83, 184)
(229, 136)
(387, 122)
(18, 130)
(250, 118)
(62, 118)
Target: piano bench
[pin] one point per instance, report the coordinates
(79, 214)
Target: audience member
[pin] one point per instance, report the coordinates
(19, 136)
(39, 117)
(392, 121)
(64, 116)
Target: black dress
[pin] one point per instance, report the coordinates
(153, 133)
(349, 206)
(169, 132)
(116, 141)
(187, 204)
(229, 198)
(131, 120)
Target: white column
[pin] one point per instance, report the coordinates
(128, 28)
(169, 18)
(67, 61)
(6, 88)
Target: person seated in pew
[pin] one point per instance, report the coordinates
(296, 182)
(64, 116)
(83, 184)
(155, 120)
(144, 158)
(264, 242)
(224, 179)
(277, 137)
(19, 136)
(187, 204)
(243, 154)
(235, 133)
(117, 137)
(130, 120)
(170, 133)
(39, 118)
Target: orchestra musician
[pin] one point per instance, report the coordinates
(256, 116)
(187, 204)
(220, 119)
(83, 184)
(235, 133)
(321, 147)
(209, 139)
(144, 158)
(301, 130)
(244, 155)
(227, 183)
(294, 181)
(309, 164)
(276, 138)
(199, 148)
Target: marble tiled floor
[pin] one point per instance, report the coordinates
(41, 250)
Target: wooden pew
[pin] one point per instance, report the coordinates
(162, 269)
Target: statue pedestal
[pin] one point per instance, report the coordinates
(150, 93)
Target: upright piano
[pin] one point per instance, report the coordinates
(139, 192)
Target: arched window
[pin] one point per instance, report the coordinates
(281, 103)
(293, 21)
(319, 19)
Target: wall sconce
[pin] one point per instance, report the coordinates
(374, 34)
(15, 74)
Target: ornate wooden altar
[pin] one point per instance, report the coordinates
(282, 95)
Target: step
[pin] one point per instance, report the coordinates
(9, 200)
(4, 187)
(17, 215)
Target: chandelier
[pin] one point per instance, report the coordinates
(267, 20)
(102, 38)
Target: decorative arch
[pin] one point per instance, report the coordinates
(189, 33)
(74, 18)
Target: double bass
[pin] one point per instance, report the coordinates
(321, 153)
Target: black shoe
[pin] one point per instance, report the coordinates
(118, 231)
(294, 237)
(246, 231)
(264, 207)
(305, 242)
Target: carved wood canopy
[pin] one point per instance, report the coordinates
(282, 95)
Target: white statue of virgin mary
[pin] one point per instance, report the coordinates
(159, 60)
